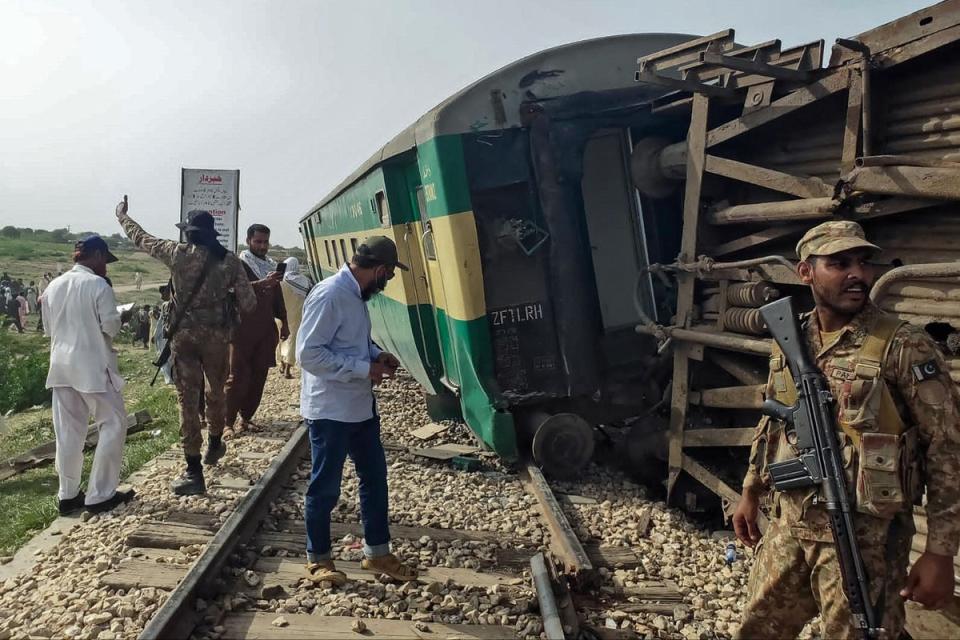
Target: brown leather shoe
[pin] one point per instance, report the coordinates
(390, 565)
(324, 571)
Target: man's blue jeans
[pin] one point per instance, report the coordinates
(330, 444)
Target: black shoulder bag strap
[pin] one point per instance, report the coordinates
(181, 311)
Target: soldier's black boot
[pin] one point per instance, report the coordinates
(191, 482)
(216, 447)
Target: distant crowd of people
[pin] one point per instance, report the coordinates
(21, 300)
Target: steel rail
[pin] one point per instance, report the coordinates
(549, 612)
(177, 617)
(563, 541)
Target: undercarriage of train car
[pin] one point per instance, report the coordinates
(773, 145)
(672, 220)
(563, 236)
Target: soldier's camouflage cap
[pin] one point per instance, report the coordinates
(833, 237)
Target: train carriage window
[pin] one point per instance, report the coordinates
(326, 245)
(429, 249)
(383, 208)
(422, 204)
(312, 250)
(336, 256)
(343, 250)
(353, 245)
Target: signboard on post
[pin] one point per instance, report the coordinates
(216, 191)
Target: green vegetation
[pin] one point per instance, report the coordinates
(23, 371)
(27, 259)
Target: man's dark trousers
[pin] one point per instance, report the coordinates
(330, 444)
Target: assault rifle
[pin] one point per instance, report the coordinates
(161, 360)
(812, 421)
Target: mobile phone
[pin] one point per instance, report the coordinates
(281, 267)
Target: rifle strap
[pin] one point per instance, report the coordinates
(869, 367)
(873, 352)
(870, 358)
(182, 311)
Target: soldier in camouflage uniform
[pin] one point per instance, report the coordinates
(200, 346)
(899, 418)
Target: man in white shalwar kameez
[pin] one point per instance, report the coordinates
(80, 316)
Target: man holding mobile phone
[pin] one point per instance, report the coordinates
(340, 364)
(254, 343)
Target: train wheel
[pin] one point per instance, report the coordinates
(563, 445)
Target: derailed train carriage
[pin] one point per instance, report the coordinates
(512, 203)
(592, 229)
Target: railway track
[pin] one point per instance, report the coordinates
(228, 567)
(176, 618)
(247, 580)
(502, 553)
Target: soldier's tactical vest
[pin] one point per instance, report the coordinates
(879, 448)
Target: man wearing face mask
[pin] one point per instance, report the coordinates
(340, 365)
(898, 417)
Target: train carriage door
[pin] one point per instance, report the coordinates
(411, 253)
(407, 331)
(615, 229)
(432, 281)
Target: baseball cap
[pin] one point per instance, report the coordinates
(95, 243)
(381, 249)
(833, 237)
(198, 220)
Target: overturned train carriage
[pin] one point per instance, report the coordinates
(512, 203)
(592, 229)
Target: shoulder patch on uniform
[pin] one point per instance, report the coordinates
(926, 370)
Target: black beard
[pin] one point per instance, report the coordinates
(823, 299)
(371, 290)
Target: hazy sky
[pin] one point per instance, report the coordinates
(103, 98)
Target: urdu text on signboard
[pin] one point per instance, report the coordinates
(216, 191)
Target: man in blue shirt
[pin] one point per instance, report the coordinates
(340, 365)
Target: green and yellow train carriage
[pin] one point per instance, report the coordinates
(512, 204)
